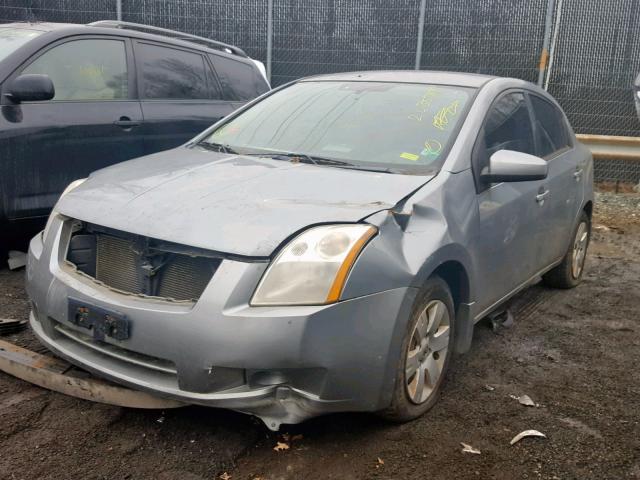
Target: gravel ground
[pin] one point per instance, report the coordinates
(575, 353)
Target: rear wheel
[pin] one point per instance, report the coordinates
(569, 273)
(425, 355)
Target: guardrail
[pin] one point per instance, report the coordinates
(605, 147)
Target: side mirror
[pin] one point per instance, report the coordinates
(31, 88)
(510, 166)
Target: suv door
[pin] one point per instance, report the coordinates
(563, 180)
(508, 212)
(179, 93)
(89, 124)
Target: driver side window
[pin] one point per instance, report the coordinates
(93, 69)
(506, 127)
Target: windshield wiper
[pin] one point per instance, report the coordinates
(315, 160)
(218, 147)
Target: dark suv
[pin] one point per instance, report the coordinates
(76, 98)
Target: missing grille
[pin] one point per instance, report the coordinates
(141, 265)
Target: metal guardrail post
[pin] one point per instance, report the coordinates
(423, 7)
(269, 37)
(119, 10)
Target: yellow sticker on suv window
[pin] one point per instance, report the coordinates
(409, 156)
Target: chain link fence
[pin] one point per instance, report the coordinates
(593, 55)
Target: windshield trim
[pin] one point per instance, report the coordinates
(426, 171)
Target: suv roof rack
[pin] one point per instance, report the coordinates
(173, 33)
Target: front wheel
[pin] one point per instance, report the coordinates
(569, 273)
(425, 355)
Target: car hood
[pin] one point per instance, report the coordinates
(229, 203)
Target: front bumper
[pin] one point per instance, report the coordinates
(282, 364)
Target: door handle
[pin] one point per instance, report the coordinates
(577, 174)
(541, 197)
(126, 123)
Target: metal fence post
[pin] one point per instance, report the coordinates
(269, 37)
(423, 7)
(119, 10)
(544, 55)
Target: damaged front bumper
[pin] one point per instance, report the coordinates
(282, 364)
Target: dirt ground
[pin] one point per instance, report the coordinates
(575, 353)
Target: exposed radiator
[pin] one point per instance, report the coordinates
(140, 265)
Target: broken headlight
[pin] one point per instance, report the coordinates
(54, 212)
(313, 267)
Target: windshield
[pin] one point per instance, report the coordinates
(13, 38)
(405, 128)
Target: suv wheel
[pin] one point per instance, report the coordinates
(425, 355)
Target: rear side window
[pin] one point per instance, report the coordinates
(551, 131)
(89, 69)
(168, 73)
(239, 80)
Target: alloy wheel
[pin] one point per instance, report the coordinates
(427, 351)
(579, 250)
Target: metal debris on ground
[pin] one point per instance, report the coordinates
(501, 319)
(9, 326)
(526, 433)
(466, 448)
(16, 259)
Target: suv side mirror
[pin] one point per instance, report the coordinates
(31, 88)
(511, 166)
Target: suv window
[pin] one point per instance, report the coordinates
(168, 73)
(507, 127)
(237, 78)
(551, 131)
(91, 69)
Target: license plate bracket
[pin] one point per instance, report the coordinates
(102, 322)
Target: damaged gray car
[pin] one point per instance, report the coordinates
(325, 248)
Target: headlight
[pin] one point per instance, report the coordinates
(54, 212)
(313, 267)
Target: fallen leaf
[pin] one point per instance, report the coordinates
(281, 446)
(527, 433)
(225, 476)
(466, 448)
(526, 401)
(380, 461)
(489, 388)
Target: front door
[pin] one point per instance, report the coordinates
(91, 122)
(505, 249)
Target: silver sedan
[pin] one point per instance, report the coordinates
(325, 248)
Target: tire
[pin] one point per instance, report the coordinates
(409, 400)
(569, 273)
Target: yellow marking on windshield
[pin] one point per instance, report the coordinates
(423, 104)
(409, 156)
(431, 147)
(441, 119)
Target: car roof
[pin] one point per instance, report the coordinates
(75, 28)
(408, 76)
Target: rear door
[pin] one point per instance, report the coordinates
(90, 123)
(563, 180)
(179, 93)
(509, 212)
